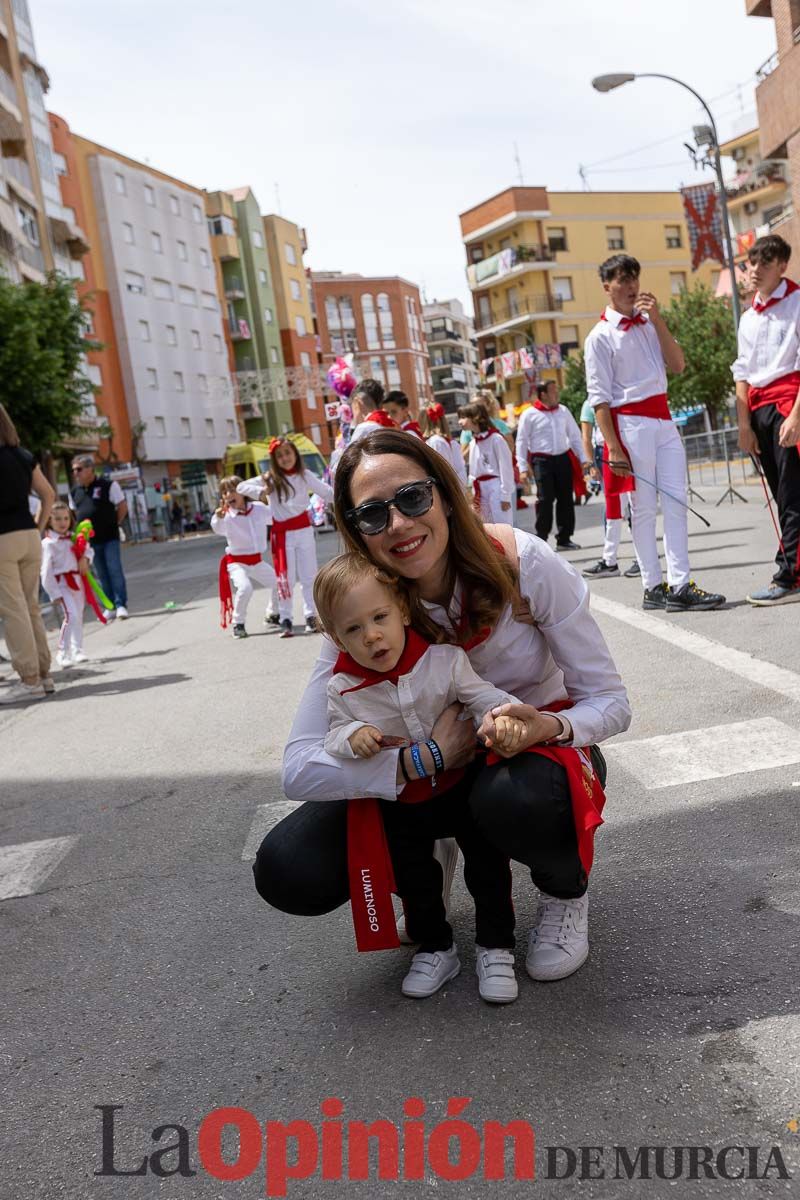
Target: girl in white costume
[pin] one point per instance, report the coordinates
(438, 438)
(62, 578)
(491, 467)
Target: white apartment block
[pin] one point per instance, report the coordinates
(450, 335)
(166, 312)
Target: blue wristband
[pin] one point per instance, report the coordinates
(416, 758)
(436, 755)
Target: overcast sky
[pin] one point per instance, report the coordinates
(380, 122)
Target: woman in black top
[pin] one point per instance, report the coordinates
(20, 561)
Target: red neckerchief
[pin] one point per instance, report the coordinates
(413, 427)
(625, 323)
(379, 417)
(244, 512)
(481, 437)
(549, 408)
(64, 537)
(791, 286)
(413, 651)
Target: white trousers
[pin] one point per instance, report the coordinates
(70, 637)
(657, 455)
(491, 512)
(242, 577)
(301, 564)
(613, 532)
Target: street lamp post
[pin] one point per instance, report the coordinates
(607, 83)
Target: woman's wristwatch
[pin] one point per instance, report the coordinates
(566, 735)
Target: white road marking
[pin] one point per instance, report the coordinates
(24, 867)
(766, 674)
(267, 817)
(695, 754)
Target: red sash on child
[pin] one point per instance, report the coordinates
(655, 407)
(225, 595)
(277, 541)
(476, 485)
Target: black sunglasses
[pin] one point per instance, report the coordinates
(412, 500)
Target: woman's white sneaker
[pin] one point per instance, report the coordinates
(497, 982)
(559, 941)
(430, 971)
(21, 693)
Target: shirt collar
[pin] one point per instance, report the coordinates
(613, 317)
(778, 294)
(413, 651)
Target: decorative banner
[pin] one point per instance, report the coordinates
(745, 240)
(703, 217)
(510, 362)
(331, 412)
(525, 360)
(529, 386)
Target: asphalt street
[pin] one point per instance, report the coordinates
(140, 969)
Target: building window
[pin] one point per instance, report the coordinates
(562, 288)
(172, 335)
(218, 343)
(677, 282)
(376, 369)
(263, 277)
(186, 427)
(311, 399)
(209, 301)
(127, 234)
(370, 319)
(291, 257)
(316, 434)
(568, 335)
(195, 338)
(392, 371)
(95, 375)
(150, 198)
(174, 205)
(305, 358)
(557, 238)
(209, 427)
(187, 295)
(134, 283)
(76, 268)
(144, 331)
(183, 253)
(672, 236)
(160, 426)
(714, 280)
(273, 353)
(231, 428)
(615, 237)
(258, 239)
(204, 260)
(119, 184)
(476, 254)
(152, 378)
(197, 214)
(202, 383)
(300, 326)
(60, 164)
(155, 243)
(268, 315)
(162, 289)
(177, 379)
(385, 321)
(295, 289)
(221, 224)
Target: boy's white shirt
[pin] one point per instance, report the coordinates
(246, 531)
(58, 559)
(411, 707)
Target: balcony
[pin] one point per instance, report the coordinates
(766, 177)
(11, 127)
(239, 330)
(525, 308)
(19, 177)
(513, 260)
(31, 262)
(225, 247)
(234, 288)
(778, 102)
(442, 335)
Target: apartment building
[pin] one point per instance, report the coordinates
(379, 321)
(452, 346)
(532, 258)
(778, 101)
(286, 245)
(759, 195)
(152, 261)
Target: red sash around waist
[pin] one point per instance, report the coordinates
(277, 541)
(476, 484)
(225, 595)
(655, 407)
(781, 392)
(72, 578)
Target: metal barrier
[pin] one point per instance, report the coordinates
(715, 459)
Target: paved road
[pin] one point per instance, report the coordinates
(141, 970)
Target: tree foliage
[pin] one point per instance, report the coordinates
(573, 393)
(42, 348)
(703, 326)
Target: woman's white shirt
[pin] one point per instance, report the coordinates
(562, 655)
(451, 450)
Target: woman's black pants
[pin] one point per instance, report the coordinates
(519, 809)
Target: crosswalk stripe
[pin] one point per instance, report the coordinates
(24, 867)
(713, 753)
(266, 817)
(756, 670)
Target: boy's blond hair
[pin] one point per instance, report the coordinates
(337, 576)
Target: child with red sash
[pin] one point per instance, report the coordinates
(62, 573)
(628, 353)
(388, 688)
(294, 553)
(767, 374)
(491, 467)
(437, 435)
(244, 523)
(549, 445)
(396, 405)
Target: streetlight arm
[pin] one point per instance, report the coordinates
(697, 96)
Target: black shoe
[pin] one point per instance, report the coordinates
(272, 619)
(311, 625)
(567, 546)
(286, 628)
(239, 631)
(691, 598)
(633, 570)
(655, 597)
(600, 570)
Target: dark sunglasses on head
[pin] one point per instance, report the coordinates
(412, 500)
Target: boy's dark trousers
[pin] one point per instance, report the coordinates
(782, 468)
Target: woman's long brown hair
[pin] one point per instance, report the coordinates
(487, 578)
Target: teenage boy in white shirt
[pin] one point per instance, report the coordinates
(628, 353)
(767, 374)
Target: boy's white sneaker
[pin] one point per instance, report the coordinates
(430, 971)
(63, 661)
(21, 693)
(559, 941)
(497, 982)
(446, 851)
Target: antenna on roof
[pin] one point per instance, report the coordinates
(584, 181)
(518, 164)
